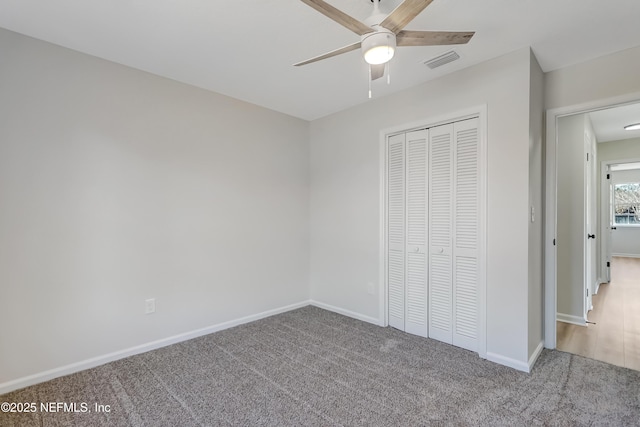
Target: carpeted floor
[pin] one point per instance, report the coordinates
(314, 367)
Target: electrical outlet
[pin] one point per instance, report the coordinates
(370, 288)
(150, 306)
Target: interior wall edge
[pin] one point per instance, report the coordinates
(536, 353)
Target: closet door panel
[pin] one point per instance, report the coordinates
(440, 232)
(466, 234)
(416, 284)
(396, 229)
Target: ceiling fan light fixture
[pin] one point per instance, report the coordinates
(379, 47)
(635, 126)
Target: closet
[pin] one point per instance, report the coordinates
(433, 232)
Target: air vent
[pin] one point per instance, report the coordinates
(441, 60)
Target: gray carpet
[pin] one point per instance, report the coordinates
(314, 367)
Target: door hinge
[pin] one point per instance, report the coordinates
(554, 242)
(587, 157)
(608, 176)
(608, 264)
(587, 291)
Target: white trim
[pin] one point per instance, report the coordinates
(550, 304)
(347, 313)
(626, 255)
(550, 223)
(516, 364)
(568, 318)
(143, 348)
(383, 309)
(480, 112)
(507, 361)
(535, 355)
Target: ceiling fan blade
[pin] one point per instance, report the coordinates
(432, 38)
(336, 52)
(377, 71)
(340, 17)
(403, 14)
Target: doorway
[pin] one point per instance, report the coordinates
(596, 307)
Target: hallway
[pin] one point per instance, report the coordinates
(614, 335)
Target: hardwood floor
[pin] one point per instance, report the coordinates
(615, 336)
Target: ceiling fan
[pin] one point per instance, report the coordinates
(380, 35)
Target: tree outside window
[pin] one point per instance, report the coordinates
(626, 201)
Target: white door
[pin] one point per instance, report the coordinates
(416, 270)
(589, 228)
(466, 234)
(407, 232)
(454, 224)
(440, 232)
(433, 232)
(396, 228)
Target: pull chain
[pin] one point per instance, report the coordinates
(369, 81)
(388, 72)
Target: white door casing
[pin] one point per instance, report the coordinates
(551, 205)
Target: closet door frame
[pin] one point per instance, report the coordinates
(479, 112)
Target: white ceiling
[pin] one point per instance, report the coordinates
(608, 124)
(246, 48)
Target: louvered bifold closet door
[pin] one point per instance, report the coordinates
(396, 228)
(466, 228)
(440, 232)
(416, 266)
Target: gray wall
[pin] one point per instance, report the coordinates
(117, 186)
(345, 193)
(605, 78)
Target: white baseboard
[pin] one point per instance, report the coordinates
(535, 355)
(507, 361)
(567, 318)
(347, 313)
(627, 255)
(143, 348)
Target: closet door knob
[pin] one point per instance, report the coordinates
(591, 236)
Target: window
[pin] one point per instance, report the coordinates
(626, 199)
